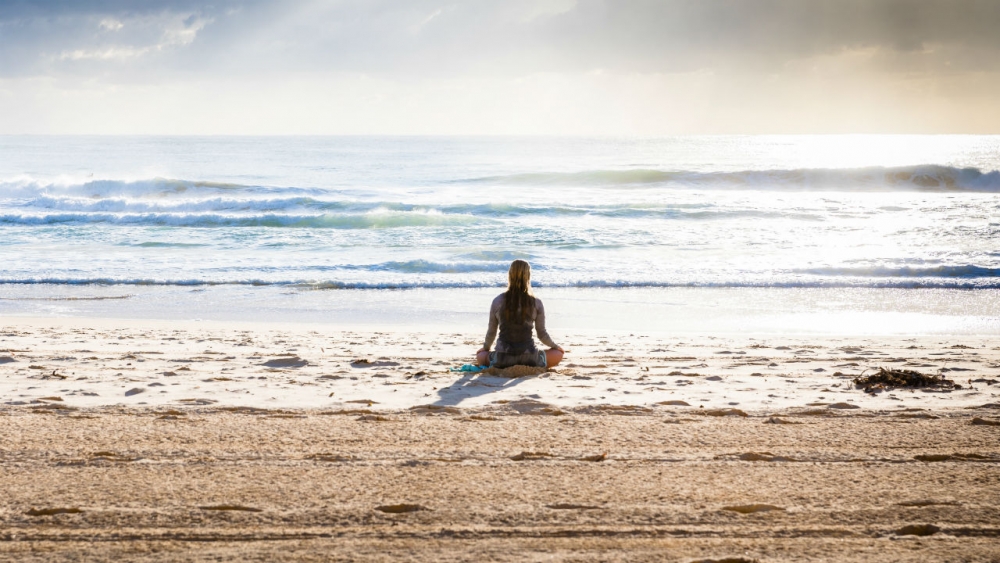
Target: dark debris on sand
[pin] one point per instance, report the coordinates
(891, 378)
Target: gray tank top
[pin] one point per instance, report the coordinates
(517, 335)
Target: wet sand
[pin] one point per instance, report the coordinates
(279, 444)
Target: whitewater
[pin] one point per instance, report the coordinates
(103, 216)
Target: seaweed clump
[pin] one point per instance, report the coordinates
(889, 378)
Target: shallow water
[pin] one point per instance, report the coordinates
(678, 310)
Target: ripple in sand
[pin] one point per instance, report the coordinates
(565, 506)
(918, 530)
(197, 401)
(366, 363)
(763, 456)
(950, 457)
(776, 420)
(400, 508)
(626, 410)
(724, 412)
(435, 409)
(111, 456)
(923, 503)
(531, 407)
(984, 422)
(52, 511)
(329, 457)
(531, 456)
(232, 507)
(752, 508)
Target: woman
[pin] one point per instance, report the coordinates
(515, 312)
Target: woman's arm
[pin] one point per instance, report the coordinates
(543, 335)
(491, 332)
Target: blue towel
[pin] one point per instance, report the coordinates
(469, 368)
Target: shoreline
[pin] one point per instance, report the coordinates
(767, 312)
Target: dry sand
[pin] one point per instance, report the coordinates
(188, 442)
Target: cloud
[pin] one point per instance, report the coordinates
(175, 31)
(515, 36)
(50, 38)
(108, 53)
(111, 24)
(514, 65)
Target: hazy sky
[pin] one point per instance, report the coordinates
(643, 67)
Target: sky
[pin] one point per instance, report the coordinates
(486, 67)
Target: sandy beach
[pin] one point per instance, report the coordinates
(174, 441)
(249, 251)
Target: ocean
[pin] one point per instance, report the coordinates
(736, 233)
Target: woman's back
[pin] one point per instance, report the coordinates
(515, 329)
(516, 326)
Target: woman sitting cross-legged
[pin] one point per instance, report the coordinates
(515, 312)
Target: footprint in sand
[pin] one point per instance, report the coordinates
(844, 406)
(286, 362)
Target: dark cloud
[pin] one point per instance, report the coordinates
(488, 37)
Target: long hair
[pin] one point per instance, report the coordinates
(519, 303)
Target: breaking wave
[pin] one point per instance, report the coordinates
(927, 283)
(153, 188)
(926, 177)
(326, 221)
(965, 271)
